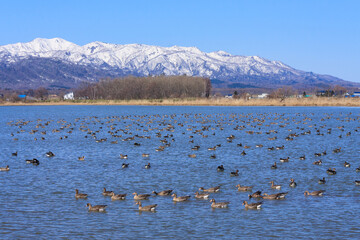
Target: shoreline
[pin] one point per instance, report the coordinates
(304, 102)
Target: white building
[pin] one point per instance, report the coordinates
(264, 95)
(69, 96)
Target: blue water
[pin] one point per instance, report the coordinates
(38, 201)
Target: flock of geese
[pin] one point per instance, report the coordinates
(123, 127)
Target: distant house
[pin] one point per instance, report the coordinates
(263, 95)
(356, 94)
(69, 96)
(228, 96)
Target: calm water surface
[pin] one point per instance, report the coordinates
(38, 201)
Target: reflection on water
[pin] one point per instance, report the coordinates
(39, 201)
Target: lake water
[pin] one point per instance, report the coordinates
(38, 201)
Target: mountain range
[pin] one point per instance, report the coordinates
(57, 63)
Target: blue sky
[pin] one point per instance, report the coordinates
(322, 36)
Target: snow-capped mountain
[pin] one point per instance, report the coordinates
(60, 63)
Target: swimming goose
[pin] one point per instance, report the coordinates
(357, 182)
(50, 154)
(346, 164)
(96, 208)
(80, 195)
(337, 150)
(255, 195)
(202, 195)
(81, 158)
(180, 199)
(213, 156)
(33, 161)
(358, 169)
(302, 157)
(211, 190)
(220, 168)
(315, 193)
(274, 166)
(147, 166)
(146, 208)
(192, 155)
(125, 165)
(107, 193)
(275, 196)
(145, 155)
(273, 186)
(284, 159)
(14, 154)
(243, 188)
(322, 181)
(118, 196)
(219, 204)
(163, 193)
(123, 156)
(234, 174)
(5, 168)
(141, 196)
(256, 205)
(292, 183)
(319, 162)
(331, 171)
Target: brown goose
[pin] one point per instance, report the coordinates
(179, 199)
(107, 193)
(243, 188)
(80, 195)
(212, 190)
(81, 158)
(292, 183)
(256, 205)
(118, 196)
(331, 171)
(219, 204)
(273, 186)
(141, 196)
(202, 195)
(275, 196)
(151, 208)
(163, 193)
(234, 174)
(255, 195)
(96, 208)
(319, 162)
(7, 168)
(315, 193)
(284, 159)
(346, 164)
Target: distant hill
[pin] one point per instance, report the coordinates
(57, 63)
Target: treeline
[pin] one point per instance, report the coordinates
(157, 87)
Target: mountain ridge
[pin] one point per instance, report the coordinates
(32, 64)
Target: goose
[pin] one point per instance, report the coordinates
(14, 154)
(255, 195)
(322, 181)
(273, 186)
(220, 168)
(357, 182)
(331, 171)
(180, 199)
(80, 195)
(192, 155)
(213, 156)
(243, 153)
(211, 190)
(150, 208)
(33, 161)
(125, 165)
(107, 193)
(123, 156)
(302, 157)
(202, 195)
(319, 162)
(281, 147)
(96, 208)
(7, 168)
(50, 154)
(315, 193)
(275, 196)
(256, 205)
(259, 145)
(141, 196)
(243, 188)
(337, 150)
(145, 155)
(219, 204)
(274, 166)
(118, 196)
(163, 193)
(284, 159)
(147, 166)
(346, 164)
(234, 174)
(81, 158)
(358, 169)
(292, 183)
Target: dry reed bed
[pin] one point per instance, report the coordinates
(347, 102)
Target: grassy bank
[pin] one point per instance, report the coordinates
(349, 102)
